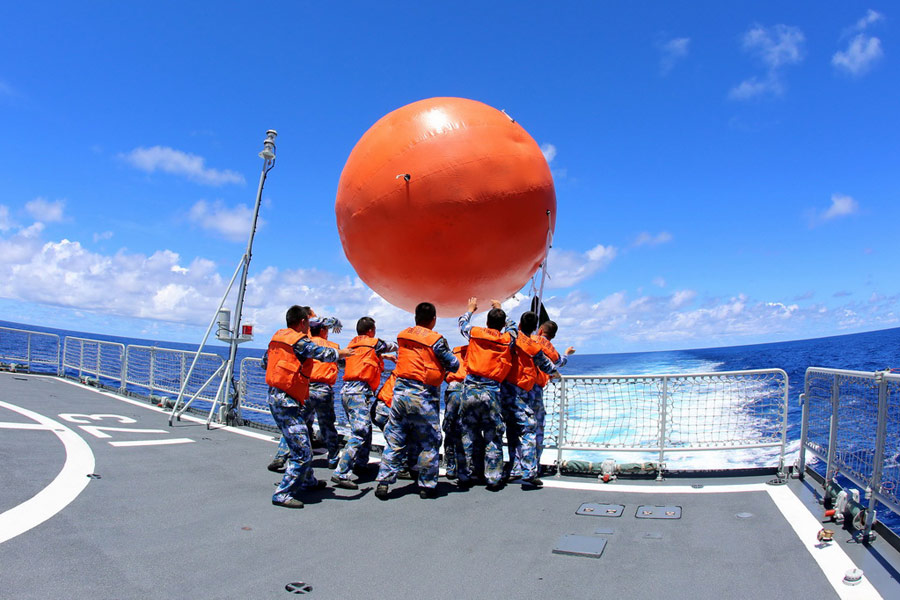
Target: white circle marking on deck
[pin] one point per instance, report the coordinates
(67, 485)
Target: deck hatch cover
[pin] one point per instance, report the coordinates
(658, 512)
(580, 545)
(591, 509)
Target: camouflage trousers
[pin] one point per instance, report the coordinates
(453, 449)
(521, 428)
(481, 424)
(298, 473)
(381, 412)
(540, 417)
(356, 450)
(319, 406)
(414, 420)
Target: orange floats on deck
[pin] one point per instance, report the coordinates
(444, 199)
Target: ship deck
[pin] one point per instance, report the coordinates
(185, 512)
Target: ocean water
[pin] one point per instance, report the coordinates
(868, 351)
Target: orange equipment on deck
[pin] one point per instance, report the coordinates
(444, 199)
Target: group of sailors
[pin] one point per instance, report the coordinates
(494, 385)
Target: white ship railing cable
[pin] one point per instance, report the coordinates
(34, 350)
(663, 414)
(102, 359)
(841, 408)
(167, 370)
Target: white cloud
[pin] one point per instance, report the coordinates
(231, 223)
(860, 55)
(659, 282)
(682, 297)
(776, 48)
(106, 235)
(566, 268)
(871, 17)
(647, 239)
(176, 162)
(46, 211)
(549, 152)
(841, 206)
(6, 222)
(673, 51)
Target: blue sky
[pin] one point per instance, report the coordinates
(725, 173)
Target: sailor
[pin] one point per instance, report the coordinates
(517, 403)
(362, 376)
(381, 413)
(321, 391)
(488, 361)
(321, 395)
(422, 360)
(289, 363)
(544, 336)
(452, 398)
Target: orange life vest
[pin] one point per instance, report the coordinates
(524, 372)
(489, 353)
(386, 393)
(284, 370)
(365, 364)
(323, 372)
(460, 373)
(415, 358)
(550, 352)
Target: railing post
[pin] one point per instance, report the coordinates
(60, 371)
(804, 426)
(832, 431)
(80, 357)
(152, 367)
(878, 457)
(123, 369)
(28, 350)
(663, 413)
(561, 428)
(784, 418)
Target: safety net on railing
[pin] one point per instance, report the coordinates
(29, 350)
(98, 359)
(164, 370)
(674, 413)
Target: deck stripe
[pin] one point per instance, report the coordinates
(69, 483)
(152, 442)
(24, 426)
(186, 417)
(831, 558)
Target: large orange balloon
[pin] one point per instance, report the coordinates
(472, 220)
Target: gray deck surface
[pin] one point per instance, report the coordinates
(195, 521)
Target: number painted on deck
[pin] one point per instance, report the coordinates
(98, 431)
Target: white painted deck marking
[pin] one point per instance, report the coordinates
(24, 426)
(831, 558)
(100, 432)
(69, 483)
(251, 434)
(152, 442)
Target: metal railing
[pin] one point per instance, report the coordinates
(33, 350)
(851, 421)
(164, 370)
(253, 388)
(657, 415)
(103, 360)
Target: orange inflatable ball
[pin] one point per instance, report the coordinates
(444, 199)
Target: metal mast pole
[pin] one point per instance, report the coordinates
(268, 156)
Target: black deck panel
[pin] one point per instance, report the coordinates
(195, 520)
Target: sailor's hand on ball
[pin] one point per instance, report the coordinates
(473, 304)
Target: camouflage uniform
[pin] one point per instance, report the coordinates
(452, 433)
(321, 405)
(357, 398)
(540, 413)
(286, 411)
(415, 419)
(481, 420)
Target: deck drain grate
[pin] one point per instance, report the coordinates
(93, 475)
(298, 587)
(580, 545)
(591, 509)
(658, 512)
(777, 481)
